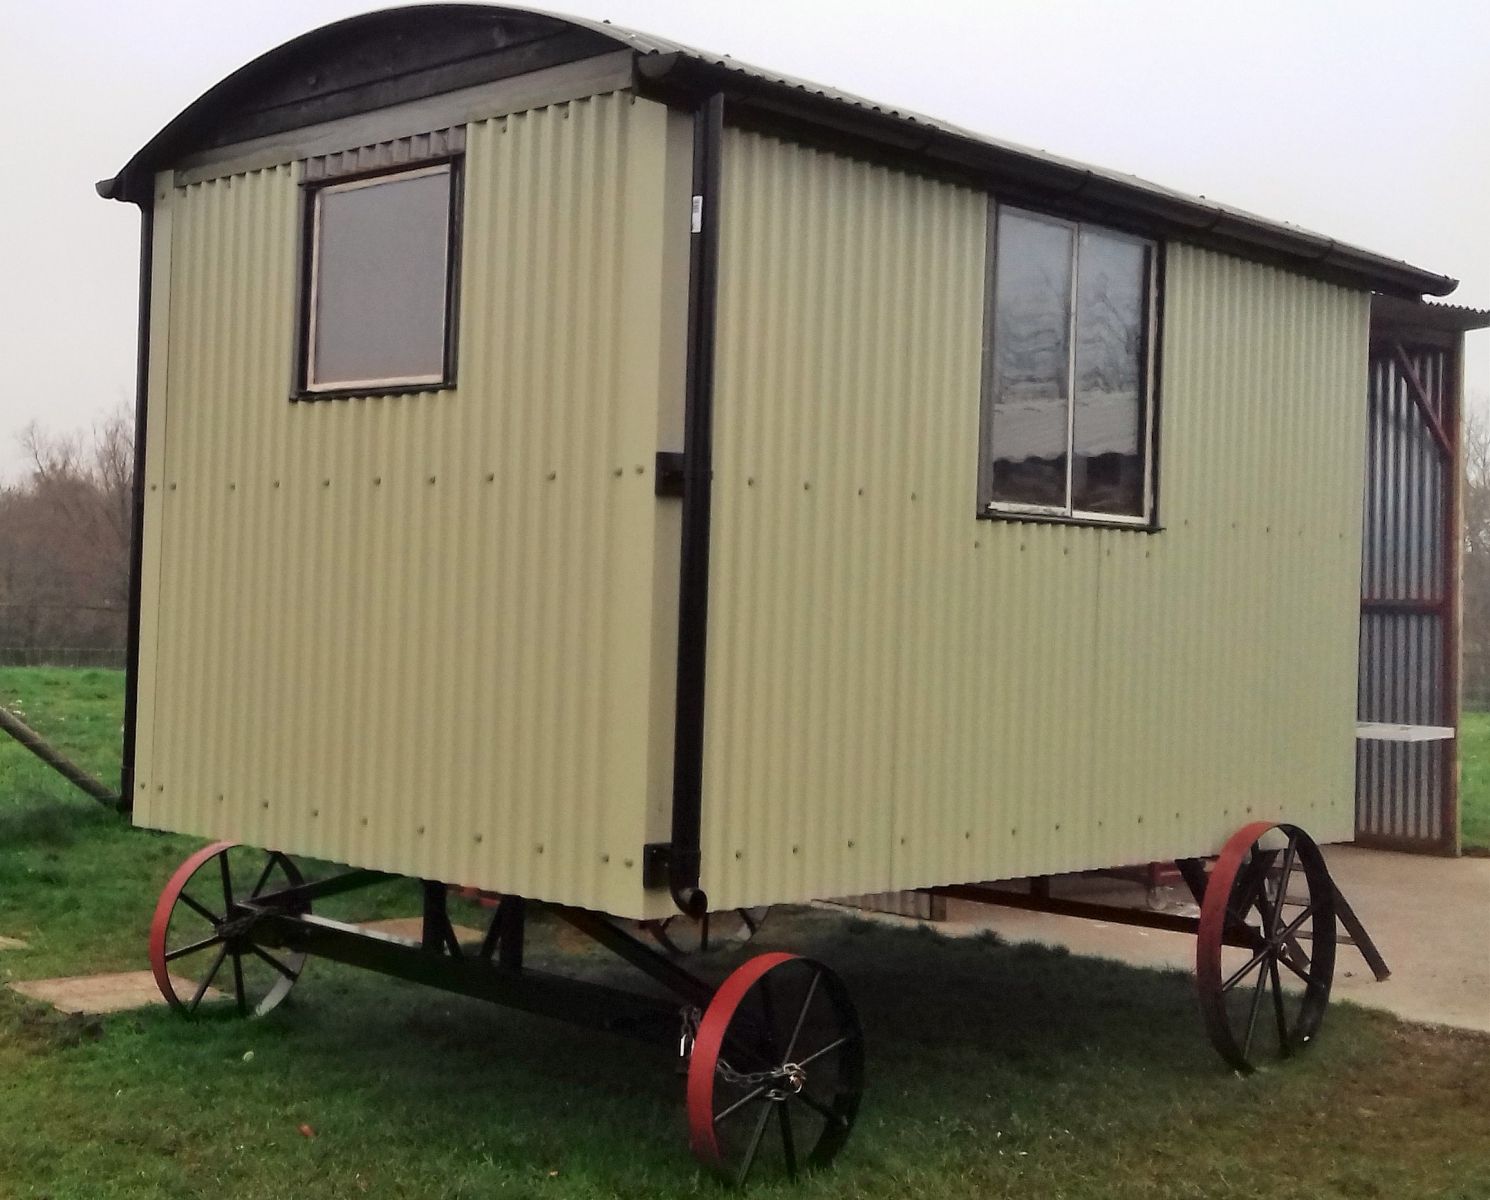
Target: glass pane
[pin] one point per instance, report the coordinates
(1107, 440)
(1031, 331)
(380, 280)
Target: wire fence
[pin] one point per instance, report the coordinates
(110, 658)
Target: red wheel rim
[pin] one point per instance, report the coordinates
(811, 991)
(219, 934)
(1248, 908)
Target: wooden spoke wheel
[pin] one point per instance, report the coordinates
(777, 1069)
(680, 935)
(1265, 955)
(200, 945)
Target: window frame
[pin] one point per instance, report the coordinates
(304, 388)
(989, 508)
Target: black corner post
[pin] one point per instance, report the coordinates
(137, 510)
(698, 450)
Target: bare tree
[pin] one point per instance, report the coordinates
(64, 538)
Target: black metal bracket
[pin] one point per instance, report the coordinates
(670, 476)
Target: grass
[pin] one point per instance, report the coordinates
(1474, 785)
(994, 1071)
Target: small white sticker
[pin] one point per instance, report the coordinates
(698, 214)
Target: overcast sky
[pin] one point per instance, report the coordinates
(1362, 120)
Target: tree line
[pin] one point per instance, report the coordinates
(64, 542)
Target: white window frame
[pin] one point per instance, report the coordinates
(1066, 512)
(308, 385)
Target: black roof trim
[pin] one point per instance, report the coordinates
(382, 58)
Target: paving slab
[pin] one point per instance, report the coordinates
(1427, 915)
(97, 994)
(10, 943)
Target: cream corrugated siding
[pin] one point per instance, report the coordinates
(414, 633)
(900, 694)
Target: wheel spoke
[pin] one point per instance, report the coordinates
(263, 878)
(1284, 879)
(208, 978)
(828, 1049)
(183, 951)
(802, 1016)
(200, 909)
(750, 923)
(1287, 961)
(817, 1106)
(1278, 1012)
(753, 1148)
(1238, 975)
(788, 1143)
(274, 962)
(739, 1104)
(1262, 978)
(227, 880)
(238, 984)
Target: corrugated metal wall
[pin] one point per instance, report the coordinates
(1402, 788)
(902, 695)
(415, 633)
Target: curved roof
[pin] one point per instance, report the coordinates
(395, 55)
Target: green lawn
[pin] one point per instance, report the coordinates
(1474, 786)
(993, 1070)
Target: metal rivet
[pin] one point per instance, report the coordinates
(902, 841)
(364, 821)
(553, 475)
(978, 544)
(431, 478)
(420, 831)
(851, 843)
(219, 797)
(232, 487)
(160, 787)
(315, 812)
(739, 854)
(750, 482)
(861, 491)
(795, 849)
(618, 472)
(155, 487)
(539, 848)
(605, 858)
(276, 483)
(377, 481)
(967, 835)
(628, 864)
(142, 787)
(640, 470)
(806, 485)
(491, 477)
(325, 483)
(173, 487)
(478, 837)
(913, 495)
(264, 804)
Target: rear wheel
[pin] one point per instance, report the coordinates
(777, 1070)
(1265, 955)
(201, 951)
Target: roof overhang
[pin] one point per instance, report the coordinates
(380, 59)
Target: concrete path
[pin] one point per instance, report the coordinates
(1430, 918)
(10, 943)
(96, 994)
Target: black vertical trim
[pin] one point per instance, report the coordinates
(137, 513)
(698, 451)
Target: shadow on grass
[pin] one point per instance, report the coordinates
(964, 1032)
(37, 821)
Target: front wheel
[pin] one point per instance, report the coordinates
(777, 1069)
(201, 950)
(1265, 955)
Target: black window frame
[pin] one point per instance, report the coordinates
(302, 388)
(989, 508)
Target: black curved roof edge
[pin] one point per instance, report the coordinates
(394, 55)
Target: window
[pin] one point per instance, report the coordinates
(379, 305)
(1066, 430)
